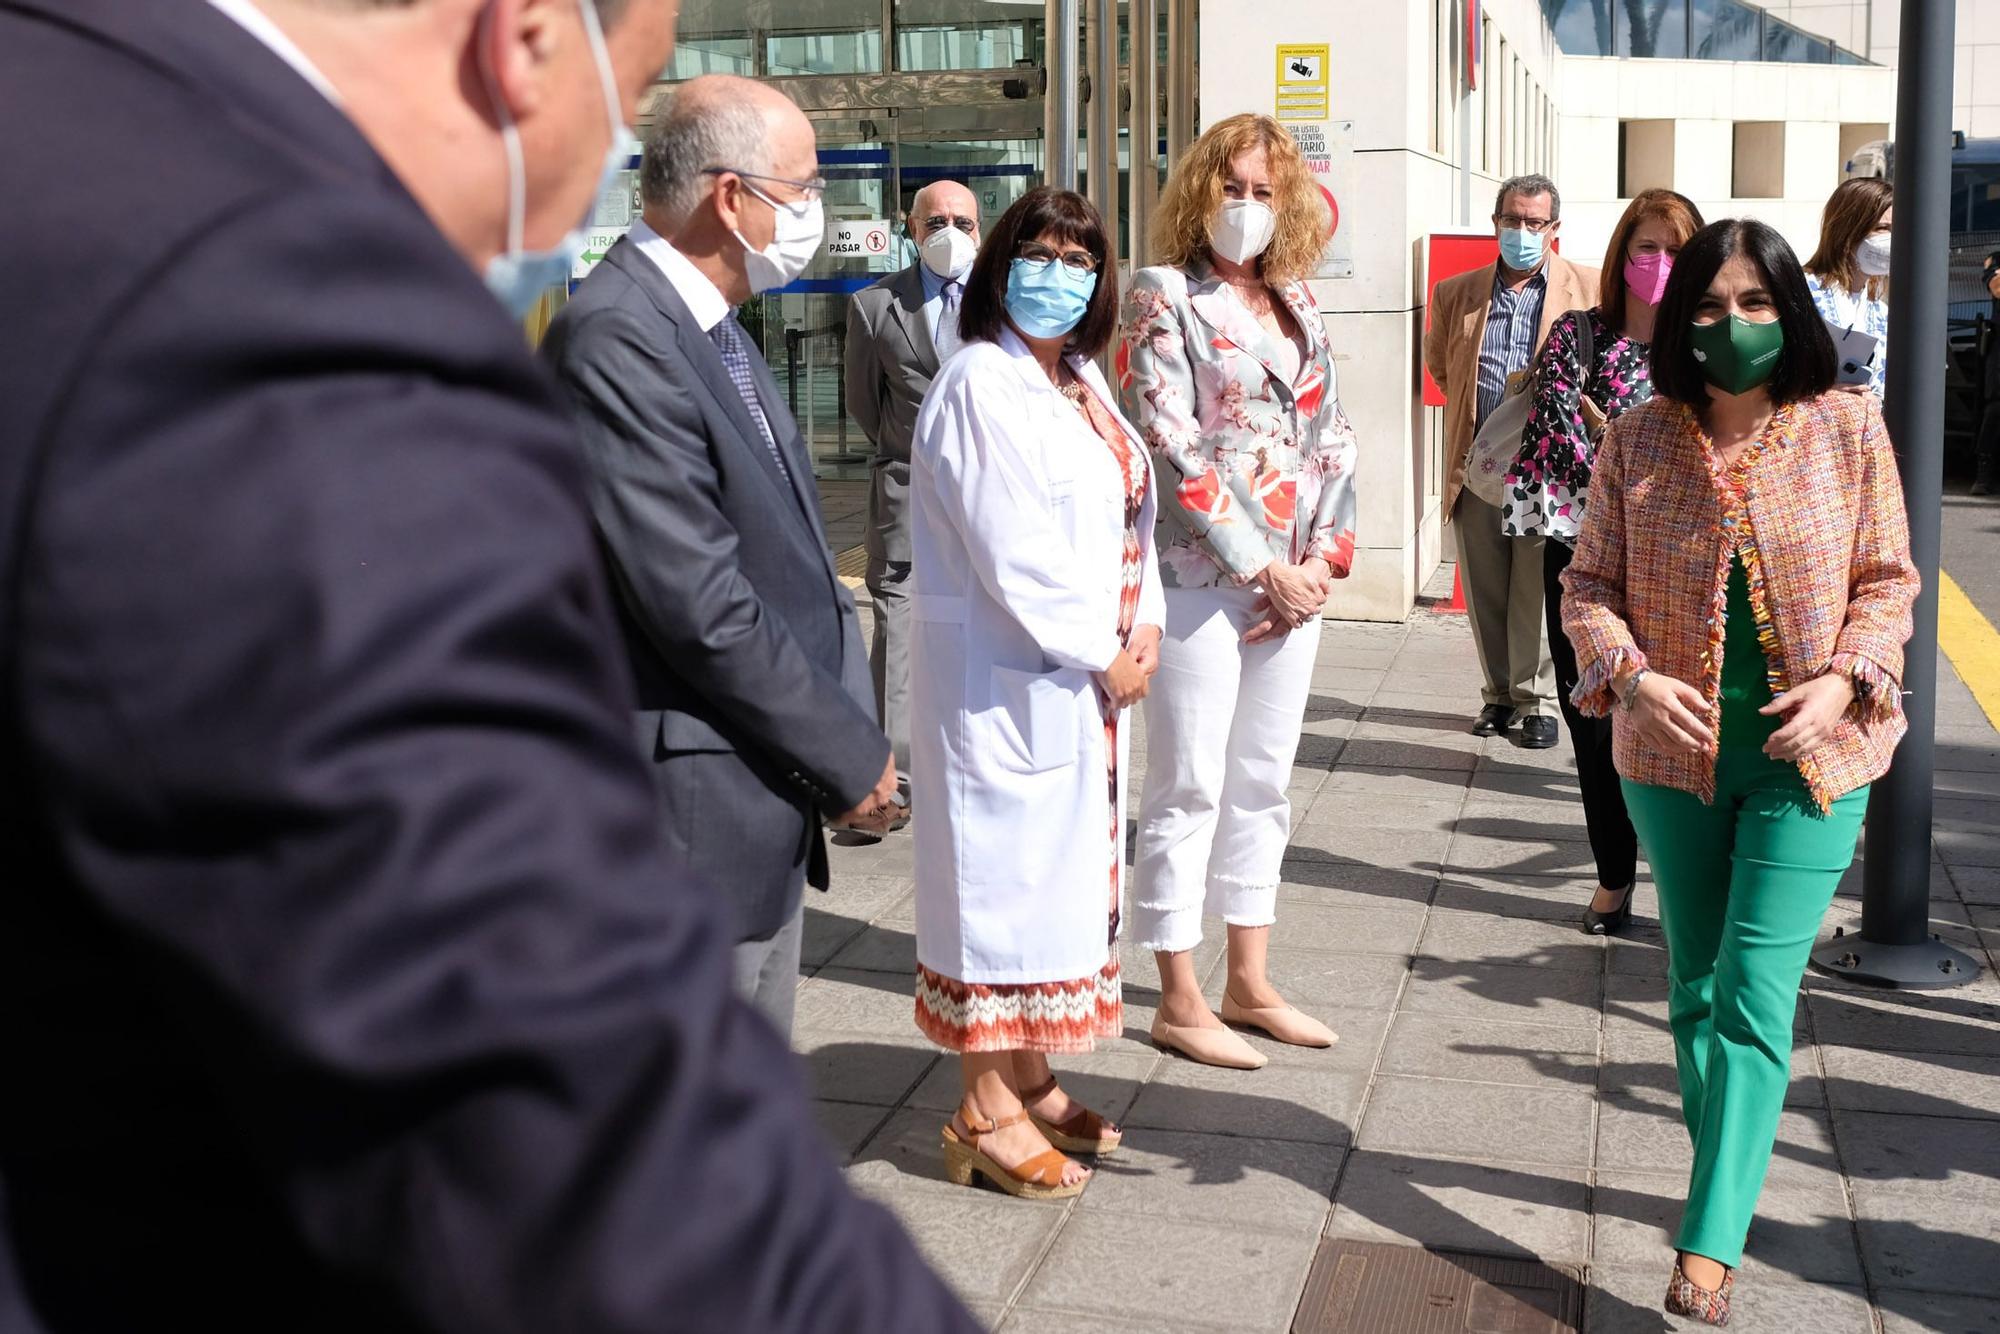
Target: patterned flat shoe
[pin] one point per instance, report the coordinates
(1083, 1131)
(1688, 1298)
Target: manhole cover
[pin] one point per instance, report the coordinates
(1360, 1287)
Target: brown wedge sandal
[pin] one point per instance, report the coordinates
(1083, 1131)
(1040, 1178)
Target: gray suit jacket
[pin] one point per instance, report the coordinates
(756, 709)
(890, 362)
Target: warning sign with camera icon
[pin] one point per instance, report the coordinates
(1302, 82)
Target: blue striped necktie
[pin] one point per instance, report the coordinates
(735, 351)
(947, 340)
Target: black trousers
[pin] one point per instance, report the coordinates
(1612, 840)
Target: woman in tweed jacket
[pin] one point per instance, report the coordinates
(1739, 598)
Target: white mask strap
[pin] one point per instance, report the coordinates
(593, 29)
(510, 137)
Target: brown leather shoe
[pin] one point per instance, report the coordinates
(1082, 1131)
(1040, 1178)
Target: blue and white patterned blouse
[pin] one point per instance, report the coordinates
(1859, 311)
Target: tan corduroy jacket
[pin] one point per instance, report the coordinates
(1451, 348)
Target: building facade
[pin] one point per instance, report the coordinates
(1413, 111)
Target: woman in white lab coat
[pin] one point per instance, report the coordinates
(1037, 611)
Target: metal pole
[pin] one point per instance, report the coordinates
(1894, 947)
(1101, 39)
(1144, 184)
(1181, 89)
(1062, 98)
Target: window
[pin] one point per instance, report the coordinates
(1582, 27)
(1784, 42)
(778, 37)
(1759, 168)
(1656, 28)
(1645, 156)
(964, 34)
(1724, 30)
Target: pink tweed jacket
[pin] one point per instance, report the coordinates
(1816, 510)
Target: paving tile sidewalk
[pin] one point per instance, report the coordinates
(1503, 1082)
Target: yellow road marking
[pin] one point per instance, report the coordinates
(1972, 644)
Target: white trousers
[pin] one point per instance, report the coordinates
(1222, 727)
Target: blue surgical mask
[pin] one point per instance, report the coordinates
(1520, 248)
(517, 276)
(1047, 300)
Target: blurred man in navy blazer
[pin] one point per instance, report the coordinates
(340, 985)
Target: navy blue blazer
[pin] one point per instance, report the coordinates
(341, 987)
(756, 709)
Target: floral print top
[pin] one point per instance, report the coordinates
(1256, 465)
(1545, 487)
(1856, 310)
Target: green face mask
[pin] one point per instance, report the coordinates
(1736, 355)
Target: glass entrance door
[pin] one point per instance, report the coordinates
(803, 327)
(875, 161)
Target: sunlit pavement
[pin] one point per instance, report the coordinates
(1503, 1082)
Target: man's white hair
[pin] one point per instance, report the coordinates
(692, 135)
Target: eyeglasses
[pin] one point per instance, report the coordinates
(937, 222)
(1039, 257)
(808, 190)
(1515, 222)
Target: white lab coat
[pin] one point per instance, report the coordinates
(1019, 532)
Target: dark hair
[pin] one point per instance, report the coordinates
(1528, 187)
(1675, 209)
(1042, 211)
(1809, 364)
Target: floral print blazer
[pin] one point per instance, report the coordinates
(1254, 467)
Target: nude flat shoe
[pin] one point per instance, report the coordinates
(1281, 1022)
(1210, 1046)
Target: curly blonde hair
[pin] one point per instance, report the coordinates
(1194, 193)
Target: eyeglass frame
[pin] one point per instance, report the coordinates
(937, 222)
(813, 189)
(1515, 222)
(1057, 256)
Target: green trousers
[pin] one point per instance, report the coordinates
(1743, 886)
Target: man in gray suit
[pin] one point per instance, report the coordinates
(752, 682)
(899, 331)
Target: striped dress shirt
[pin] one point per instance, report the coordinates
(1509, 343)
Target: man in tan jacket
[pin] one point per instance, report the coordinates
(1486, 325)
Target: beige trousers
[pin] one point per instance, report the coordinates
(1503, 600)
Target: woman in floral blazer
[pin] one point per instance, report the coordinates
(1740, 597)
(1226, 370)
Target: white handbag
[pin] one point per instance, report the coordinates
(1499, 440)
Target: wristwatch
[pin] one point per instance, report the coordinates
(1630, 691)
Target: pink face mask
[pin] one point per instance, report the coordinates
(1647, 275)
